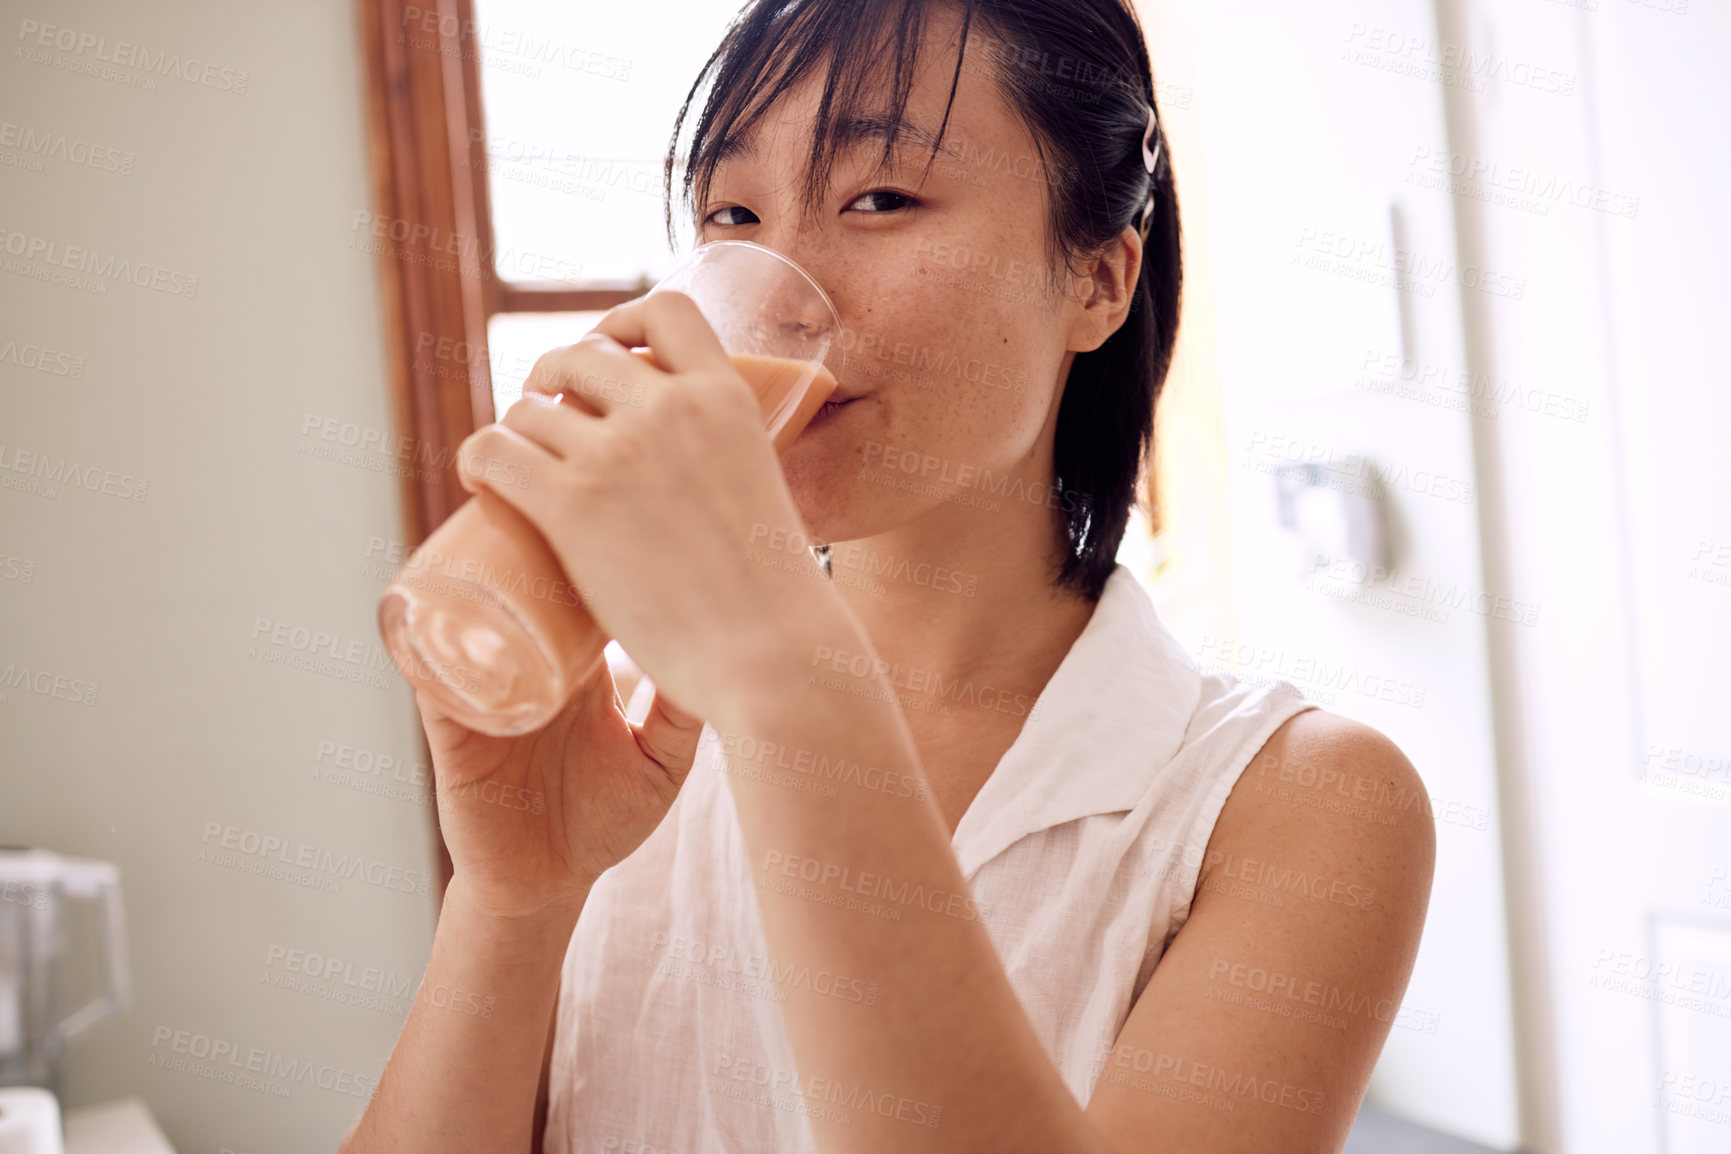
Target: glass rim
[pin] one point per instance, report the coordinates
(783, 258)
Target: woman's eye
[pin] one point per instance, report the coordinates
(714, 216)
(884, 200)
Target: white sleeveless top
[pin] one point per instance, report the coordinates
(1082, 851)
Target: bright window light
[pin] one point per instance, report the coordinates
(578, 103)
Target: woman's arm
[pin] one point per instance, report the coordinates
(865, 887)
(464, 1072)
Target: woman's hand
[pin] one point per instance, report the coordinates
(532, 821)
(651, 487)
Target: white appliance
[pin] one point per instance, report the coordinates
(36, 1022)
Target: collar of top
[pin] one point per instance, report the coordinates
(1112, 716)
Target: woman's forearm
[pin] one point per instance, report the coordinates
(918, 1041)
(464, 1071)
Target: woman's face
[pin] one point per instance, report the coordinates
(955, 336)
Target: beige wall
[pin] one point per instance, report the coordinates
(157, 599)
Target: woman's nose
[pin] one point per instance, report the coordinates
(800, 305)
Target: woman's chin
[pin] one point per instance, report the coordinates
(826, 501)
(824, 518)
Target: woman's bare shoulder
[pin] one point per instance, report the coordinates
(1290, 969)
(1337, 794)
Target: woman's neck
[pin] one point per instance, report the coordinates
(965, 597)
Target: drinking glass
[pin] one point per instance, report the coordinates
(484, 619)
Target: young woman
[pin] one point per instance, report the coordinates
(945, 844)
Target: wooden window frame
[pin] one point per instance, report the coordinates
(429, 167)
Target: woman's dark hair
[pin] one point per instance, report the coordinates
(1076, 73)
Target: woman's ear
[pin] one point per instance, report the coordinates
(1106, 293)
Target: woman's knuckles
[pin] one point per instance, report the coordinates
(552, 371)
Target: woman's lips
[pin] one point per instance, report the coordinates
(827, 412)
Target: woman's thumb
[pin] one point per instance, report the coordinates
(668, 735)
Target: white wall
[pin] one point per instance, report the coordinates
(157, 600)
(1578, 950)
(1330, 267)
(1624, 523)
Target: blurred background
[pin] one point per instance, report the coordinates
(1444, 445)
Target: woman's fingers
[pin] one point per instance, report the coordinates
(596, 375)
(670, 323)
(599, 374)
(551, 423)
(505, 461)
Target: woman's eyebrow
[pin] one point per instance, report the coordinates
(852, 133)
(856, 131)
